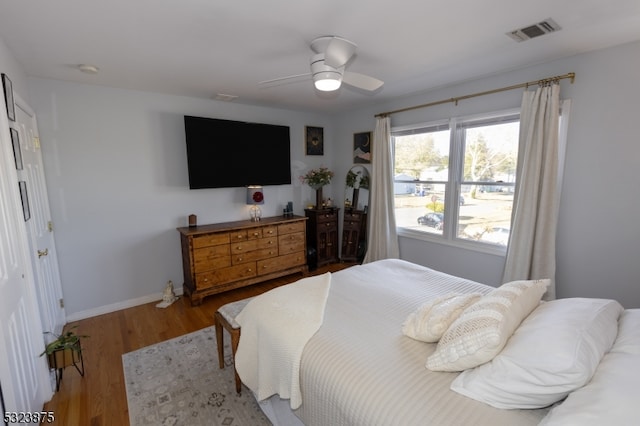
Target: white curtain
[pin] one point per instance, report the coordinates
(382, 238)
(531, 251)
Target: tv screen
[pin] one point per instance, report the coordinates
(228, 154)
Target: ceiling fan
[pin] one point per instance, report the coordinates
(331, 56)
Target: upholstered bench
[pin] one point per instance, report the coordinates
(225, 317)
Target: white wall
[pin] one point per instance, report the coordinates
(116, 170)
(598, 234)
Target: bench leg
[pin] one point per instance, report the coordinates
(235, 339)
(219, 337)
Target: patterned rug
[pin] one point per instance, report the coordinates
(179, 382)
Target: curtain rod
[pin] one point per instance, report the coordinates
(544, 81)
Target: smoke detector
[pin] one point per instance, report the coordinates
(88, 68)
(541, 28)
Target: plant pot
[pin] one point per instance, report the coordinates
(65, 357)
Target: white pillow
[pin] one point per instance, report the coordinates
(556, 350)
(611, 397)
(482, 330)
(433, 318)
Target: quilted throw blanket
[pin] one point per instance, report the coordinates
(276, 326)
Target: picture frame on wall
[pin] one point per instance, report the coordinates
(17, 153)
(8, 97)
(314, 140)
(362, 147)
(26, 211)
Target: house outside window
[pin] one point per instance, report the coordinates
(454, 180)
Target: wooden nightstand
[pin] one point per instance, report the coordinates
(322, 234)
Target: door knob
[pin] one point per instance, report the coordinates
(43, 253)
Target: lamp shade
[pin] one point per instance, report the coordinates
(327, 81)
(255, 195)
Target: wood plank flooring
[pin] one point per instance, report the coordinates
(99, 398)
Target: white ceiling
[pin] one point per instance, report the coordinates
(201, 48)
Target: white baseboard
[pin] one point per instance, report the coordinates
(101, 310)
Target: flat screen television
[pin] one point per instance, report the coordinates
(228, 154)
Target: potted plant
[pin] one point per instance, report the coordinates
(316, 179)
(64, 350)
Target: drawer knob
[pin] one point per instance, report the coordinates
(240, 259)
(206, 280)
(255, 234)
(239, 248)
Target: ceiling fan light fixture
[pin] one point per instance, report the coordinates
(327, 81)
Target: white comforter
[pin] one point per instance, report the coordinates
(359, 369)
(275, 329)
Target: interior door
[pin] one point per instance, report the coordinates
(42, 247)
(23, 374)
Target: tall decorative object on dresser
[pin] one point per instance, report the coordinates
(354, 225)
(322, 234)
(223, 256)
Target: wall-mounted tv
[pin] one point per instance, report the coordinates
(228, 154)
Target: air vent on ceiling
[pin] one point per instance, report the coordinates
(545, 27)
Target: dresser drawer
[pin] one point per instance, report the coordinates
(270, 231)
(328, 216)
(254, 255)
(225, 275)
(289, 243)
(327, 226)
(281, 262)
(265, 243)
(213, 257)
(210, 240)
(351, 224)
(287, 228)
(243, 246)
(351, 215)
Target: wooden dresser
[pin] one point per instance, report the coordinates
(322, 232)
(354, 231)
(224, 256)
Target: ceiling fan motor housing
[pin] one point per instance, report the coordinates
(322, 71)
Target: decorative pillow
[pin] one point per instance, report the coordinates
(556, 350)
(432, 319)
(482, 330)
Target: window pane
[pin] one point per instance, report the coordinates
(490, 159)
(421, 174)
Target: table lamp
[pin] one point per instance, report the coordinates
(255, 196)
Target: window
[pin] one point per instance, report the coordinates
(455, 180)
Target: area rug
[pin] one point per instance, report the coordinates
(179, 382)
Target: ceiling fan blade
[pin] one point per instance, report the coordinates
(338, 52)
(361, 81)
(281, 79)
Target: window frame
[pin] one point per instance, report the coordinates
(456, 126)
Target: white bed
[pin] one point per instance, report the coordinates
(360, 369)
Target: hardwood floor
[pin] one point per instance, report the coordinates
(99, 398)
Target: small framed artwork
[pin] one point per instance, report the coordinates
(314, 140)
(17, 154)
(8, 97)
(26, 211)
(362, 147)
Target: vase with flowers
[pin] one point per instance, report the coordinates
(316, 179)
